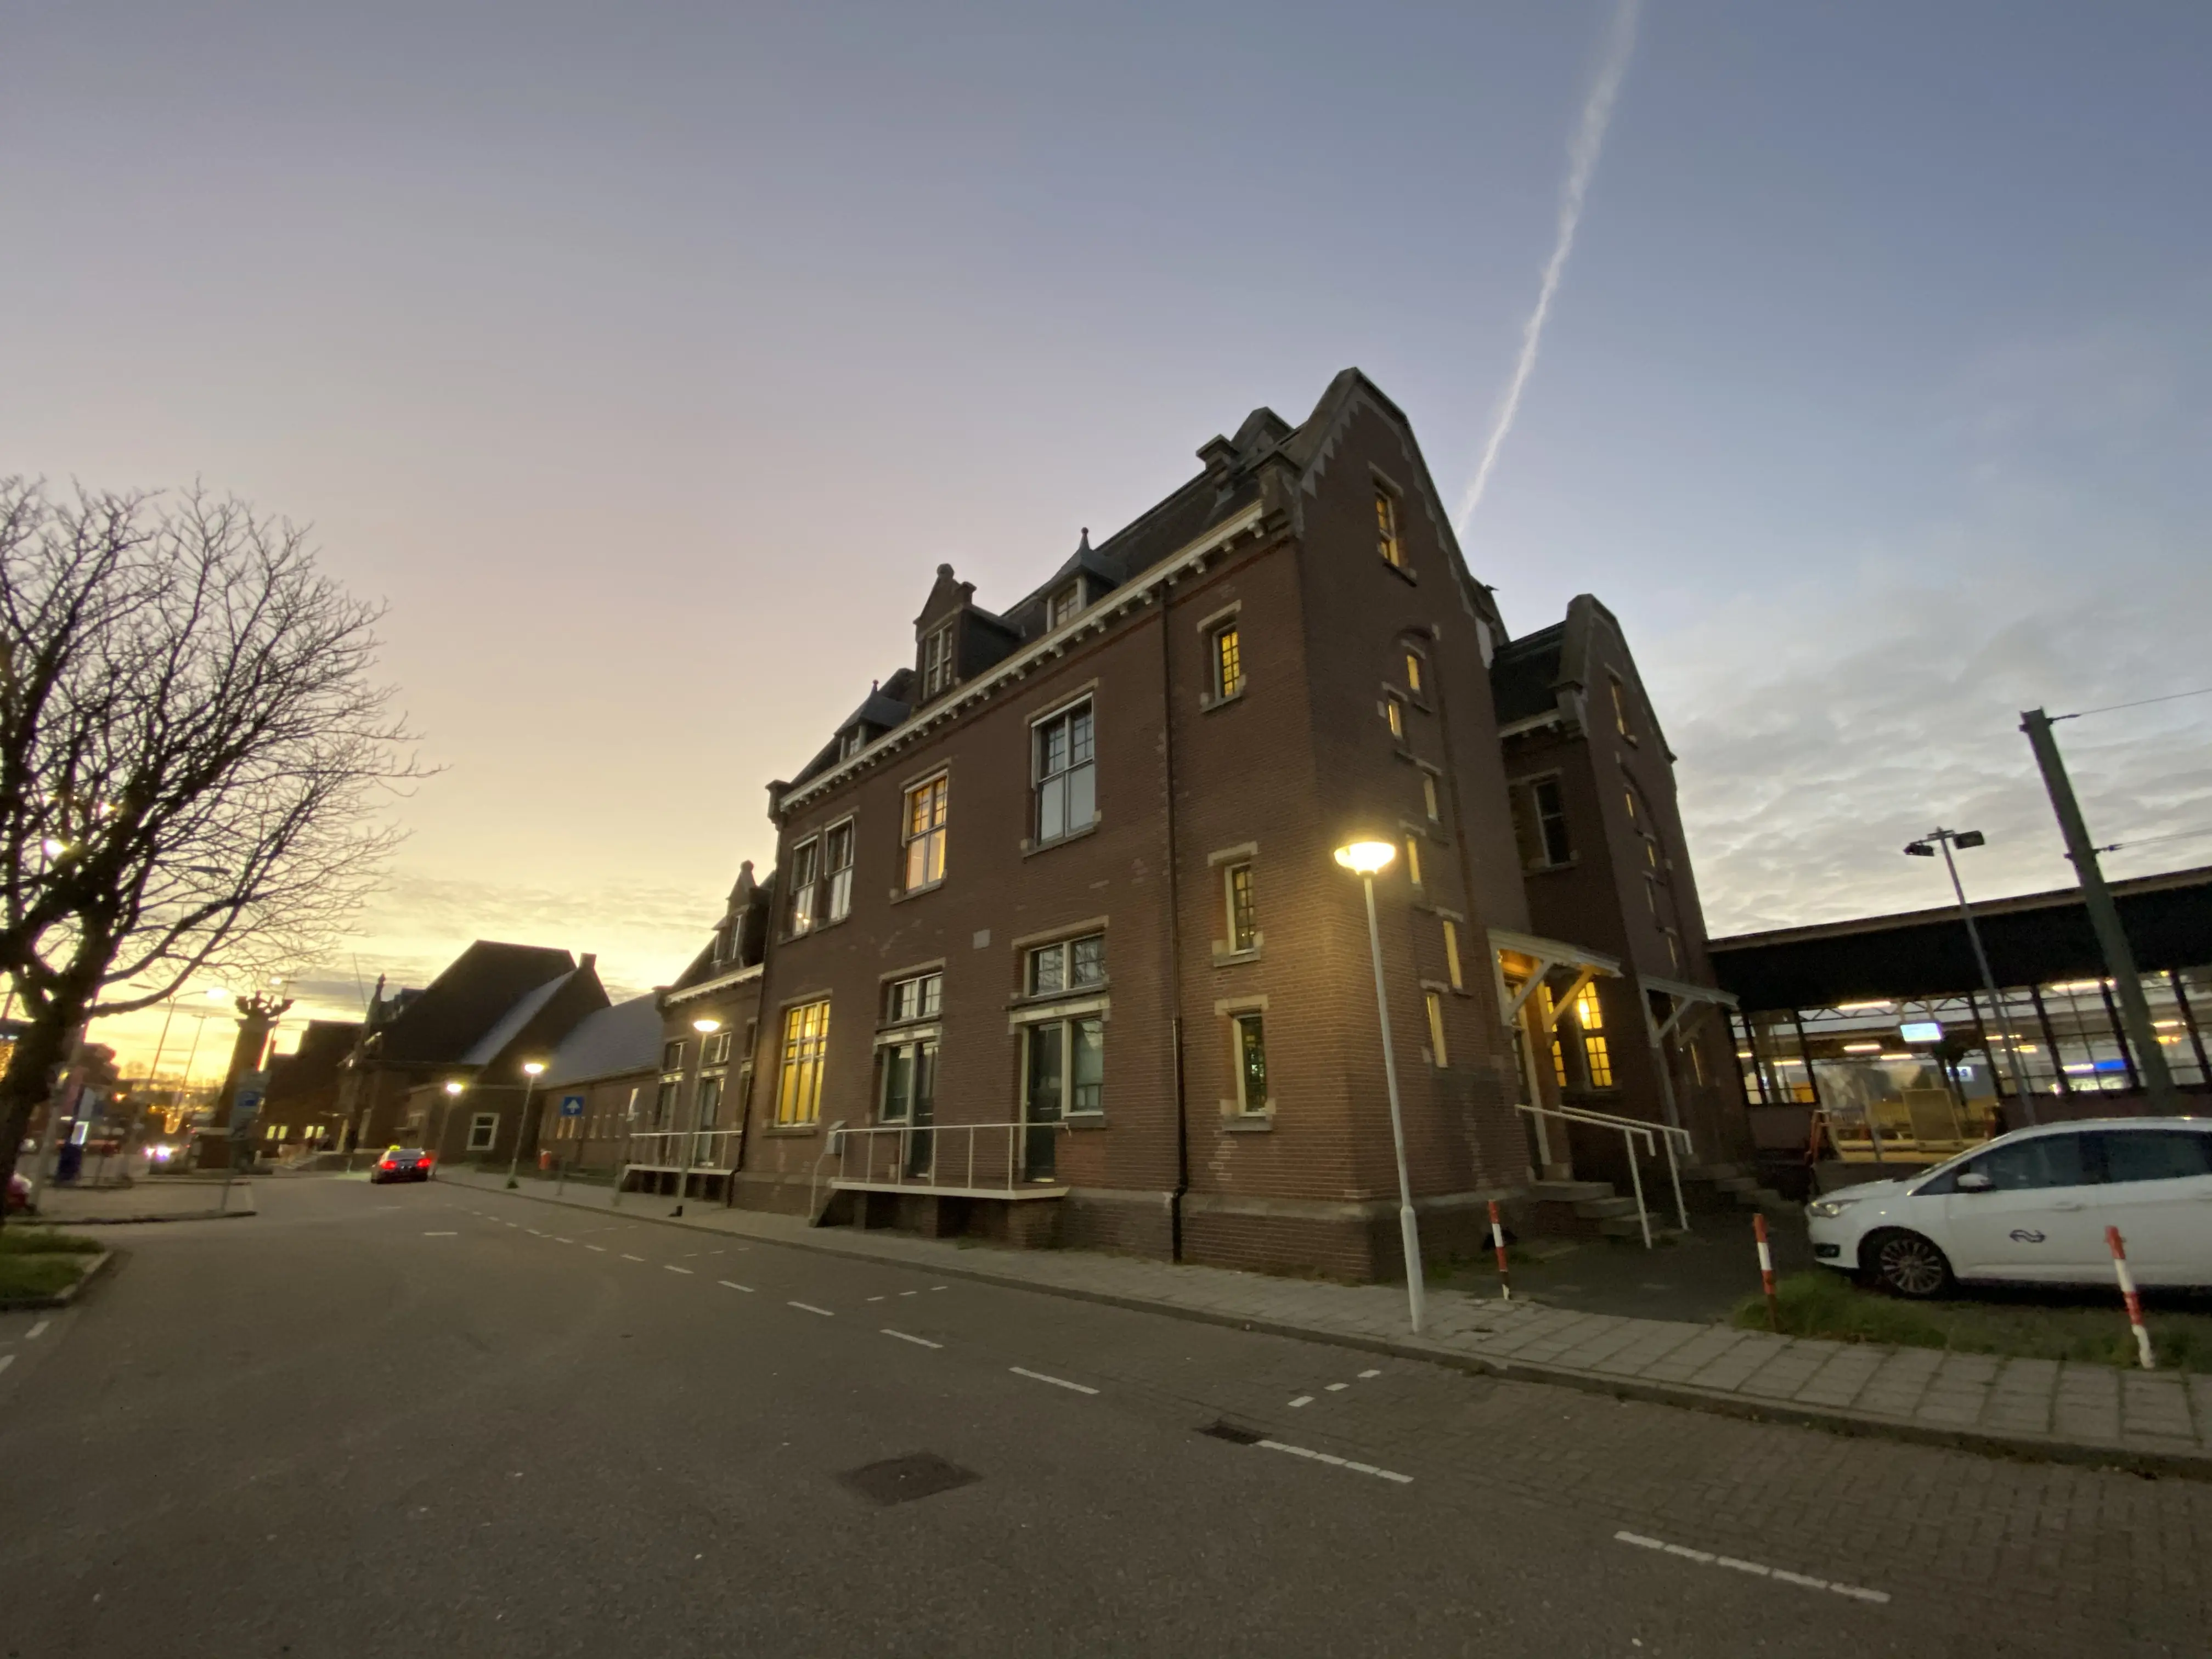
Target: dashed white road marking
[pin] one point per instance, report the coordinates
(734, 1284)
(1707, 1559)
(627, 1256)
(918, 1341)
(906, 1292)
(533, 1233)
(875, 1298)
(515, 1223)
(1364, 1376)
(1302, 1399)
(558, 1239)
(1339, 1462)
(446, 1235)
(1039, 1376)
(671, 1266)
(808, 1307)
(601, 1249)
(937, 1287)
(37, 1329)
(6, 1360)
(1338, 1388)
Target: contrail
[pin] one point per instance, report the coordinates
(1582, 163)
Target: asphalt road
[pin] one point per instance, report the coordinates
(435, 1420)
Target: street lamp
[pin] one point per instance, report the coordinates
(1363, 857)
(1925, 849)
(453, 1088)
(705, 1025)
(530, 1069)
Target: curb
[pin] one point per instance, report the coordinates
(151, 1220)
(59, 1298)
(2028, 1448)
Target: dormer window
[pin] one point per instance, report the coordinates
(936, 661)
(850, 742)
(1065, 604)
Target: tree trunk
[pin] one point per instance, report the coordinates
(28, 1085)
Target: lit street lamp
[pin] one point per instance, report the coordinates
(437, 1148)
(705, 1025)
(530, 1069)
(1925, 849)
(1364, 859)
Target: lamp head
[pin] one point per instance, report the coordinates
(1969, 838)
(1918, 850)
(455, 1088)
(1366, 858)
(534, 1067)
(706, 1024)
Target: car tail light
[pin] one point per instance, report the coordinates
(387, 1164)
(428, 1160)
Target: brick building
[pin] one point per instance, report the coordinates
(597, 1083)
(301, 1111)
(1057, 948)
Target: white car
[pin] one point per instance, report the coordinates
(2031, 1207)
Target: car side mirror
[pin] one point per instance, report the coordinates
(1973, 1180)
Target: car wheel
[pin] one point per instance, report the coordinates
(1905, 1264)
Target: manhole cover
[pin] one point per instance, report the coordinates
(901, 1479)
(1221, 1429)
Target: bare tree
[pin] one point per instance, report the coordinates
(191, 750)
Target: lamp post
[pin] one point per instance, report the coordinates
(437, 1148)
(1363, 857)
(530, 1068)
(705, 1025)
(1925, 849)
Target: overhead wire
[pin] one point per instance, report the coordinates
(2141, 703)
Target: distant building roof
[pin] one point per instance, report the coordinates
(508, 1026)
(625, 1037)
(442, 1025)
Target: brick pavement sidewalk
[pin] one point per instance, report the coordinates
(2050, 1409)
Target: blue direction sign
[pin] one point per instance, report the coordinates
(245, 1103)
(572, 1105)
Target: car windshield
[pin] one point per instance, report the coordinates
(405, 1151)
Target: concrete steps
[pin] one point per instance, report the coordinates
(1722, 1188)
(1591, 1209)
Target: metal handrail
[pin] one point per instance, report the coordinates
(1629, 1128)
(664, 1148)
(868, 1138)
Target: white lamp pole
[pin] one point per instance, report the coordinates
(705, 1025)
(1365, 858)
(530, 1069)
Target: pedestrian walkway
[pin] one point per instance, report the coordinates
(173, 1198)
(2074, 1413)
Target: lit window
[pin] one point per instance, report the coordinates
(1413, 860)
(1439, 1057)
(1066, 605)
(1385, 529)
(805, 862)
(1620, 708)
(1243, 921)
(1452, 957)
(1429, 796)
(1394, 710)
(1071, 966)
(924, 835)
(1589, 1019)
(1251, 1063)
(936, 661)
(805, 1045)
(918, 997)
(1413, 672)
(837, 868)
(1228, 655)
(1067, 774)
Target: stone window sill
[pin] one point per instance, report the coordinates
(1226, 957)
(1031, 849)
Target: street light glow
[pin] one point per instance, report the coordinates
(1366, 858)
(454, 1088)
(534, 1067)
(705, 1025)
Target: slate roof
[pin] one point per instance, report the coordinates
(608, 1041)
(444, 1023)
(1525, 673)
(510, 1024)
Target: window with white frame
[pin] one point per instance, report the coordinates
(710, 1099)
(1074, 964)
(715, 1049)
(483, 1130)
(805, 1048)
(1065, 1069)
(1439, 1056)
(1225, 652)
(671, 1055)
(1249, 1038)
(917, 997)
(923, 833)
(1429, 802)
(1066, 772)
(936, 661)
(850, 742)
(1451, 955)
(909, 1092)
(805, 870)
(837, 870)
(664, 1100)
(1540, 823)
(1066, 605)
(1243, 912)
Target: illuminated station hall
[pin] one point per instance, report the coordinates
(1874, 1041)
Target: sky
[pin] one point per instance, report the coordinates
(645, 361)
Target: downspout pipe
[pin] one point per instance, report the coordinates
(1174, 924)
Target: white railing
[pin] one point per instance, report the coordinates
(710, 1152)
(905, 1155)
(1631, 1129)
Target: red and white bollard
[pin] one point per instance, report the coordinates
(1497, 1243)
(2119, 1250)
(1766, 1273)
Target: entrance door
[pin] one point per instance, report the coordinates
(922, 1140)
(1042, 1100)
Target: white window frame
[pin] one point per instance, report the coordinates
(909, 838)
(803, 914)
(1229, 873)
(483, 1131)
(929, 1000)
(837, 879)
(1064, 606)
(1245, 1106)
(937, 659)
(1043, 785)
(1216, 636)
(1064, 949)
(1066, 1022)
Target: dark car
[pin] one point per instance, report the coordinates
(402, 1164)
